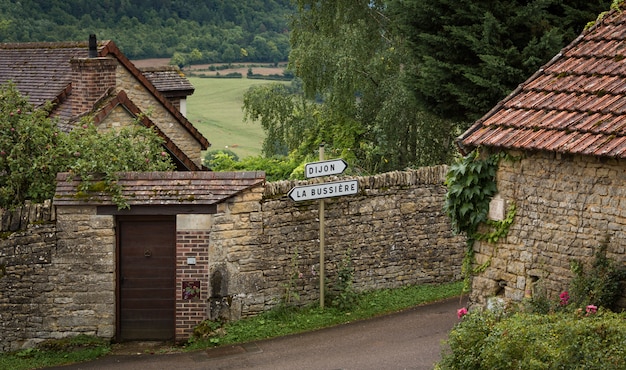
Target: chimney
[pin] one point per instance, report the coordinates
(92, 77)
(93, 46)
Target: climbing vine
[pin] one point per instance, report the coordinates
(471, 183)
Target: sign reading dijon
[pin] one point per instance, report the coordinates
(325, 168)
(328, 189)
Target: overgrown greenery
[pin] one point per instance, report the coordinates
(471, 183)
(33, 150)
(276, 168)
(466, 56)
(564, 340)
(598, 284)
(289, 319)
(574, 331)
(389, 84)
(56, 352)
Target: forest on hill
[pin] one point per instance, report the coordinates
(196, 31)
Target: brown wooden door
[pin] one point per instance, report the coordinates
(147, 278)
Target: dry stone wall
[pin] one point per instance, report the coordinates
(56, 279)
(566, 207)
(393, 233)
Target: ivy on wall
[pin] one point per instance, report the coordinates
(471, 183)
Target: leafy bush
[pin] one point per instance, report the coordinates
(33, 151)
(276, 168)
(600, 285)
(210, 155)
(564, 340)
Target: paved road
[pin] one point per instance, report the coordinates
(406, 340)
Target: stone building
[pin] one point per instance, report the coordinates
(566, 125)
(97, 79)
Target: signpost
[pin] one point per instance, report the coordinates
(325, 168)
(325, 190)
(321, 192)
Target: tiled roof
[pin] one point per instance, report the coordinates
(169, 80)
(575, 104)
(164, 188)
(42, 71)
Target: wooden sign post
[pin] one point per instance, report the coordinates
(321, 192)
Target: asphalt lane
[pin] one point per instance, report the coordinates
(410, 339)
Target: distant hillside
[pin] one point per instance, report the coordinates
(194, 31)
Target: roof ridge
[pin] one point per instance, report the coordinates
(48, 45)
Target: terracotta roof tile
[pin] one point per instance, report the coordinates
(164, 188)
(575, 104)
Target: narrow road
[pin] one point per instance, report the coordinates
(407, 340)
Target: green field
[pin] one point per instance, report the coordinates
(215, 108)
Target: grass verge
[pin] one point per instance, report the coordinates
(291, 320)
(56, 352)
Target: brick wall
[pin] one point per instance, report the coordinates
(91, 79)
(191, 307)
(393, 233)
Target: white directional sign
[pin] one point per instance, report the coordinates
(325, 168)
(325, 190)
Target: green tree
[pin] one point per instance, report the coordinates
(470, 54)
(352, 67)
(33, 151)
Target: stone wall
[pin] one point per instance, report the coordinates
(58, 270)
(56, 278)
(28, 236)
(566, 207)
(393, 233)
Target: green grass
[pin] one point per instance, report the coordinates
(290, 320)
(56, 352)
(215, 109)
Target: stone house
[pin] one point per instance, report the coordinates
(96, 78)
(566, 125)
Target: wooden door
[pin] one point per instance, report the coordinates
(147, 278)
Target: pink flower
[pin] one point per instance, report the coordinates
(163, 154)
(461, 312)
(591, 309)
(564, 298)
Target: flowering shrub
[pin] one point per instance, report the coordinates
(562, 340)
(461, 312)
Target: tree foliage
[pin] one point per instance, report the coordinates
(199, 31)
(33, 151)
(389, 84)
(470, 54)
(352, 95)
